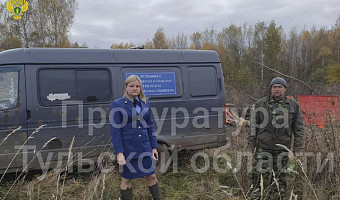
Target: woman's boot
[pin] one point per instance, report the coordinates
(155, 192)
(126, 194)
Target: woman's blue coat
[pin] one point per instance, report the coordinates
(132, 134)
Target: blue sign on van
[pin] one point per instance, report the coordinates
(157, 83)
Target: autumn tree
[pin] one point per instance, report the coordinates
(258, 44)
(159, 39)
(55, 18)
(148, 44)
(208, 38)
(272, 48)
(180, 41)
(45, 24)
(333, 74)
(233, 46)
(196, 41)
(305, 54)
(122, 45)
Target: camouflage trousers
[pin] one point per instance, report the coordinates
(269, 174)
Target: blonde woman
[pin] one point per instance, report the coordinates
(133, 138)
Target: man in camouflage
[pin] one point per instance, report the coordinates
(274, 121)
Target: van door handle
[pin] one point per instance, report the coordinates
(220, 83)
(28, 114)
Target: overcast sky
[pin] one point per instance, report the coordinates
(99, 23)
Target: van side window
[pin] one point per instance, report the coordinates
(56, 85)
(89, 92)
(9, 80)
(202, 81)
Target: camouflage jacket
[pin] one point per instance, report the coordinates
(269, 128)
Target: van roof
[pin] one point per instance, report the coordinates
(101, 56)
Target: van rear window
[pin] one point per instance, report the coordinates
(89, 86)
(9, 80)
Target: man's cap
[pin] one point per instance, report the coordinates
(278, 80)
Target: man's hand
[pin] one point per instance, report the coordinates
(121, 159)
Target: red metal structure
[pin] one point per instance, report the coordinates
(320, 110)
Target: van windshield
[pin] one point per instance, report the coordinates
(8, 89)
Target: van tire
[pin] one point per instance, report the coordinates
(163, 157)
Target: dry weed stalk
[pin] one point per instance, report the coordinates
(292, 195)
(238, 182)
(56, 196)
(38, 191)
(276, 183)
(302, 168)
(95, 189)
(336, 150)
(66, 167)
(91, 189)
(11, 133)
(16, 180)
(101, 197)
(262, 187)
(30, 191)
(35, 131)
(224, 191)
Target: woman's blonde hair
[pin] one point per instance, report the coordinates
(130, 79)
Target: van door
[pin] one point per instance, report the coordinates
(68, 100)
(13, 118)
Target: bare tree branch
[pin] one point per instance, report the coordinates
(287, 76)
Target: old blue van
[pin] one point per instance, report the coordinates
(54, 99)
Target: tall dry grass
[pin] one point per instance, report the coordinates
(308, 183)
(312, 175)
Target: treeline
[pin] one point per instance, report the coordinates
(45, 24)
(312, 56)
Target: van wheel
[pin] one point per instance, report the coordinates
(163, 157)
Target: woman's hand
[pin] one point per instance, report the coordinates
(155, 154)
(121, 159)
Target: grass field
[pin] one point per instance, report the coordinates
(319, 180)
